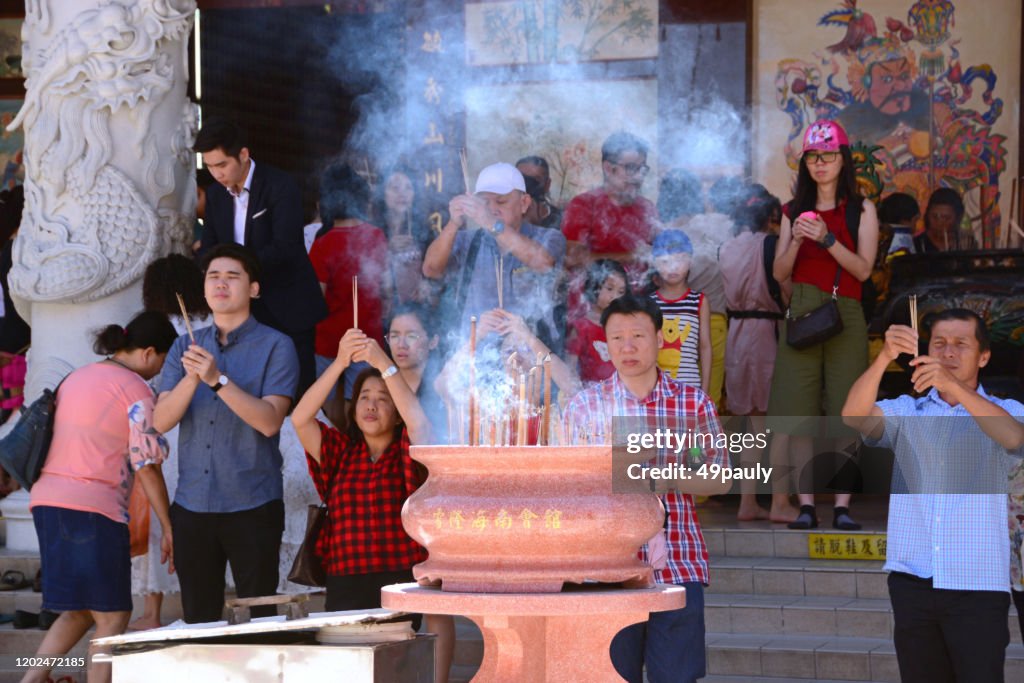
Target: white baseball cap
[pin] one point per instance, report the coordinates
(500, 178)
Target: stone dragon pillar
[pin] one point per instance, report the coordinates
(108, 170)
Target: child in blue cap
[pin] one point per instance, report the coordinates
(686, 352)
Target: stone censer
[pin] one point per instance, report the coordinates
(531, 544)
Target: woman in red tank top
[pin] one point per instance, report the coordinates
(816, 245)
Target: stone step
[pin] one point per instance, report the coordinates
(817, 657)
(806, 615)
(798, 615)
(766, 679)
(27, 563)
(793, 576)
(761, 540)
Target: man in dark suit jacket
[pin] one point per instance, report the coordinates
(260, 207)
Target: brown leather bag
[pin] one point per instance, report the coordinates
(308, 569)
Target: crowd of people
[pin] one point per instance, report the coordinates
(359, 328)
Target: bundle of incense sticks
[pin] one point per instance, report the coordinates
(545, 415)
(355, 301)
(474, 423)
(913, 312)
(184, 317)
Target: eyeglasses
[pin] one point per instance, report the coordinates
(409, 339)
(633, 169)
(826, 157)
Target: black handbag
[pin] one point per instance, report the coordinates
(308, 568)
(817, 325)
(23, 451)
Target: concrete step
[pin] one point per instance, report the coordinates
(806, 615)
(765, 679)
(793, 576)
(798, 615)
(817, 657)
(27, 563)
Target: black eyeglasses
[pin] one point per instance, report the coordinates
(409, 339)
(633, 169)
(815, 157)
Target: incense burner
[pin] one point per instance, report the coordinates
(527, 519)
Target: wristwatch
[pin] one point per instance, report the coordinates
(827, 241)
(499, 227)
(393, 370)
(222, 382)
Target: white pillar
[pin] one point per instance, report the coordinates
(108, 169)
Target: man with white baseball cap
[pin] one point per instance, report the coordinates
(469, 258)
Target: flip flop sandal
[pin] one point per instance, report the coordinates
(13, 580)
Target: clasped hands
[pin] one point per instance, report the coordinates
(472, 207)
(200, 363)
(928, 371)
(356, 347)
(805, 227)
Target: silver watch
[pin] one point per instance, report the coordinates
(393, 370)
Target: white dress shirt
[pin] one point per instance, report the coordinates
(242, 204)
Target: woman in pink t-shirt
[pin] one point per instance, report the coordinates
(102, 437)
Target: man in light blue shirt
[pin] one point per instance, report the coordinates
(948, 549)
(503, 248)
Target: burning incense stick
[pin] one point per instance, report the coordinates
(501, 280)
(184, 317)
(355, 301)
(465, 168)
(473, 417)
(545, 414)
(521, 424)
(913, 312)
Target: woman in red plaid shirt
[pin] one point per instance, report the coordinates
(364, 474)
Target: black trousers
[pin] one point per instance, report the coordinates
(948, 635)
(1018, 602)
(362, 591)
(205, 542)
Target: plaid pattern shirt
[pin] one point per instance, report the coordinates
(674, 405)
(957, 539)
(363, 532)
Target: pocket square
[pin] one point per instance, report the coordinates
(258, 214)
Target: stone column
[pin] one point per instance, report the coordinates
(108, 170)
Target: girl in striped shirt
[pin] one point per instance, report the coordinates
(686, 329)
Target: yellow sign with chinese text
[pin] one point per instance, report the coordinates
(828, 546)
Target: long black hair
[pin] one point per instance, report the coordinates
(805, 198)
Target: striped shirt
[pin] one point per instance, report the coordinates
(957, 539)
(680, 354)
(678, 407)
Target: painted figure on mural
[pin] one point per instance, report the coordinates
(907, 104)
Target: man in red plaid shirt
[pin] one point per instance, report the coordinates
(671, 644)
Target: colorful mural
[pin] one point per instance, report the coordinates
(917, 117)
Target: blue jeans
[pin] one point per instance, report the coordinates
(671, 644)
